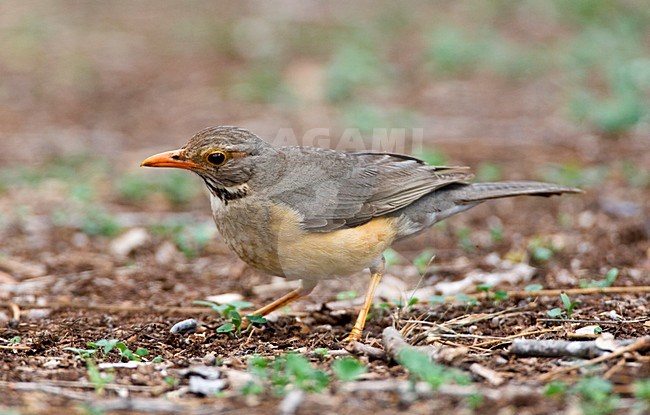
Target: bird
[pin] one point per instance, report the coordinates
(309, 213)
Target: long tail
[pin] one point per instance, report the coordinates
(478, 192)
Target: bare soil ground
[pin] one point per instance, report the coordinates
(62, 286)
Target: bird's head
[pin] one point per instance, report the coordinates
(225, 157)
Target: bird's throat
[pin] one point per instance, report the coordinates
(226, 193)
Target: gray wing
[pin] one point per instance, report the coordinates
(349, 189)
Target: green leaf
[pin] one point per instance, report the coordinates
(500, 295)
(611, 276)
(542, 253)
(554, 313)
(157, 359)
(121, 346)
(83, 353)
(240, 305)
(555, 388)
(256, 318)
(321, 351)
(348, 369)
(534, 287)
(484, 287)
(437, 299)
(221, 309)
(235, 317)
(107, 344)
(466, 299)
(392, 257)
(141, 351)
(226, 328)
(420, 366)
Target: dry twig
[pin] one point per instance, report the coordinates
(639, 344)
(561, 348)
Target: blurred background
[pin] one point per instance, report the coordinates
(552, 90)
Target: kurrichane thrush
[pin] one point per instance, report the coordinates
(311, 213)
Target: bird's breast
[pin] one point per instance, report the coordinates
(269, 237)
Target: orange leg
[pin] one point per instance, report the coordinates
(307, 287)
(375, 278)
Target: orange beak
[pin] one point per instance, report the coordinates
(170, 159)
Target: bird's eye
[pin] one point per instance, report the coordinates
(217, 158)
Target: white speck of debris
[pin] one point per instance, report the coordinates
(606, 342)
(291, 402)
(206, 387)
(52, 364)
(131, 240)
(615, 316)
(225, 298)
(588, 330)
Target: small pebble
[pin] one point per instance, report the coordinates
(188, 326)
(210, 359)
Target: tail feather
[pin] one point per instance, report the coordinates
(478, 192)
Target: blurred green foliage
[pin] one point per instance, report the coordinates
(178, 187)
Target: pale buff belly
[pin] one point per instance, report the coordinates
(275, 243)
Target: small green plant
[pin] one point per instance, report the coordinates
(437, 299)
(496, 233)
(392, 257)
(420, 367)
(103, 347)
(609, 279)
(231, 312)
(353, 67)
(541, 250)
(475, 400)
(596, 396)
(348, 369)
(321, 352)
(14, 341)
(498, 295)
(172, 381)
(98, 378)
(464, 235)
(556, 388)
(189, 238)
(534, 287)
(284, 370)
(177, 187)
(423, 260)
(569, 306)
(467, 300)
(98, 222)
(642, 394)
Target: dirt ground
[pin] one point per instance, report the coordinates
(80, 261)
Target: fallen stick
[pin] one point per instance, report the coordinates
(639, 344)
(364, 349)
(394, 343)
(517, 295)
(561, 348)
(599, 322)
